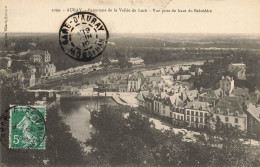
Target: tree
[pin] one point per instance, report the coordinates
(193, 68)
(171, 151)
(181, 71)
(123, 63)
(133, 141)
(61, 148)
(105, 61)
(119, 141)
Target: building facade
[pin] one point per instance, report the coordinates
(136, 61)
(36, 58)
(46, 57)
(29, 78)
(178, 115)
(196, 114)
(238, 69)
(227, 85)
(230, 112)
(134, 82)
(253, 116)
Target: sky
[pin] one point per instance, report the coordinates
(227, 16)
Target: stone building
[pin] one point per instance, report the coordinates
(227, 85)
(253, 115)
(47, 69)
(230, 112)
(29, 78)
(196, 114)
(134, 82)
(238, 69)
(40, 56)
(36, 58)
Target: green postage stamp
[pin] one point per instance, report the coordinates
(27, 127)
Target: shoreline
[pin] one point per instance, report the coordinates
(95, 74)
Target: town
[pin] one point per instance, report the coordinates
(188, 96)
(168, 92)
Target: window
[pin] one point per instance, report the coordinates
(196, 113)
(182, 118)
(236, 120)
(226, 119)
(192, 119)
(197, 119)
(178, 117)
(192, 112)
(188, 112)
(188, 118)
(201, 120)
(201, 114)
(205, 114)
(163, 111)
(174, 116)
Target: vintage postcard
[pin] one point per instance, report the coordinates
(130, 83)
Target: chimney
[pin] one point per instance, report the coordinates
(257, 104)
(227, 111)
(221, 94)
(193, 106)
(213, 103)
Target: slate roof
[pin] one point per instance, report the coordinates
(192, 94)
(212, 93)
(238, 99)
(255, 97)
(231, 105)
(157, 79)
(240, 92)
(254, 111)
(135, 76)
(198, 105)
(36, 56)
(37, 52)
(227, 78)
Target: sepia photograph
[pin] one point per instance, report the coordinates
(130, 83)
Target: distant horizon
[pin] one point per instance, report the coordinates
(155, 33)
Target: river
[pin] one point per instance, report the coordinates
(76, 116)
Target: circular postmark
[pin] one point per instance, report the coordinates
(23, 127)
(83, 36)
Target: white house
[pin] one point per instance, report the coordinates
(197, 113)
(238, 69)
(230, 112)
(136, 60)
(227, 85)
